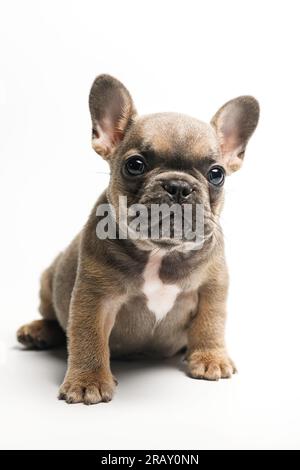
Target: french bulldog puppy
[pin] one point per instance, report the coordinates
(120, 297)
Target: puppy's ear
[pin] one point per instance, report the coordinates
(112, 111)
(234, 123)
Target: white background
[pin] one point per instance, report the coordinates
(187, 56)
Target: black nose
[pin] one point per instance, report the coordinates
(178, 189)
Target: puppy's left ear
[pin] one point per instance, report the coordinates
(234, 123)
(112, 111)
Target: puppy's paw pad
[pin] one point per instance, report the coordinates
(210, 365)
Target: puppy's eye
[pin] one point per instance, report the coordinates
(135, 165)
(216, 176)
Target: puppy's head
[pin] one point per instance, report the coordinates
(168, 157)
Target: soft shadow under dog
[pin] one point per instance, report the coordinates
(122, 368)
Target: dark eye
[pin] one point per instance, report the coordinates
(216, 176)
(135, 165)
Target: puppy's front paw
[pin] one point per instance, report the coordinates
(87, 387)
(210, 365)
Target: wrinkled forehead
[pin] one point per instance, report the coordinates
(173, 134)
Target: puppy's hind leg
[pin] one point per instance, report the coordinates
(45, 333)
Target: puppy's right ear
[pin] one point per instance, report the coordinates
(112, 111)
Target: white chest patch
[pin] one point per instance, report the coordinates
(160, 297)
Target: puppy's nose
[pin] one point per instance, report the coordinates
(178, 189)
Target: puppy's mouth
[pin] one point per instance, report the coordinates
(168, 244)
(155, 220)
(170, 226)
